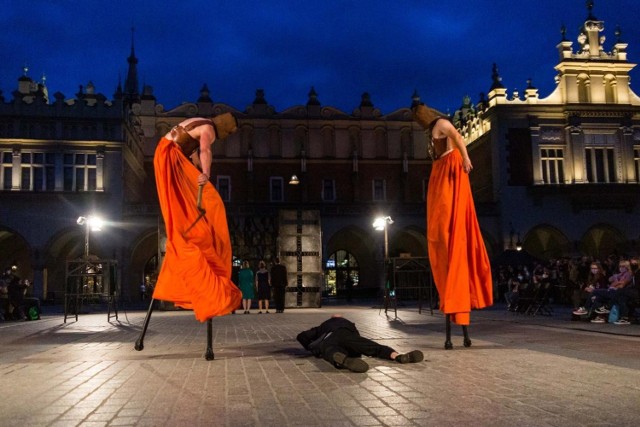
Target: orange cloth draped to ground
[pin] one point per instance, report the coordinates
(196, 271)
(457, 254)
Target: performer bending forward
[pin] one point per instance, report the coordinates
(196, 271)
(457, 254)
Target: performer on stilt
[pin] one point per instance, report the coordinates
(196, 270)
(457, 254)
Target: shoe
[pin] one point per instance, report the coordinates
(603, 310)
(580, 312)
(622, 322)
(260, 312)
(267, 311)
(411, 357)
(598, 319)
(354, 364)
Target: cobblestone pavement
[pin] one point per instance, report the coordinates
(520, 371)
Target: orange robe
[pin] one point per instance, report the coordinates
(196, 271)
(457, 254)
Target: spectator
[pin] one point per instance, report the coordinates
(245, 283)
(263, 285)
(15, 288)
(279, 283)
(629, 293)
(599, 297)
(595, 280)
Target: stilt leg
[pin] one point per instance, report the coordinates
(208, 354)
(465, 332)
(447, 344)
(140, 342)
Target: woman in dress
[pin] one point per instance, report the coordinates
(263, 284)
(245, 282)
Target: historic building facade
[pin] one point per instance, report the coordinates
(560, 174)
(565, 168)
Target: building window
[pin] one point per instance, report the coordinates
(223, 185)
(379, 190)
(79, 172)
(7, 170)
(342, 273)
(552, 162)
(275, 189)
(328, 190)
(636, 163)
(600, 165)
(38, 172)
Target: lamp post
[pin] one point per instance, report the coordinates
(381, 223)
(91, 223)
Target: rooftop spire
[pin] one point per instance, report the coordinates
(131, 87)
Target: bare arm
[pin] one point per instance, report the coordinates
(446, 128)
(207, 136)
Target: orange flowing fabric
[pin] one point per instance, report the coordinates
(457, 254)
(196, 271)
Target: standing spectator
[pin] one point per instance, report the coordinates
(143, 291)
(279, 283)
(245, 282)
(263, 284)
(15, 288)
(4, 297)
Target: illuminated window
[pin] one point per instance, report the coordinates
(79, 172)
(342, 273)
(552, 162)
(600, 165)
(38, 171)
(7, 170)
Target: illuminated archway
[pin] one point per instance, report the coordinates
(602, 240)
(545, 242)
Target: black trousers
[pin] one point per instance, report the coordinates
(353, 345)
(278, 297)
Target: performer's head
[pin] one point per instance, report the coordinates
(224, 124)
(426, 116)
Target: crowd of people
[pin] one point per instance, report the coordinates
(595, 288)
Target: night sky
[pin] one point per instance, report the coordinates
(442, 49)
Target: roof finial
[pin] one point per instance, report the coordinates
(497, 80)
(25, 69)
(590, 9)
(618, 34)
(563, 31)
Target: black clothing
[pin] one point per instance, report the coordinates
(339, 335)
(279, 285)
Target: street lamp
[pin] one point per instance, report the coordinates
(381, 223)
(91, 223)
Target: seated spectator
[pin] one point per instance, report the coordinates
(599, 297)
(629, 294)
(518, 287)
(595, 280)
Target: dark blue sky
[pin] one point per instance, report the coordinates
(442, 49)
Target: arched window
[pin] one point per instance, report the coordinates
(340, 267)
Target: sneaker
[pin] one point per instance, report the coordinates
(622, 322)
(603, 310)
(411, 357)
(354, 364)
(580, 312)
(598, 319)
